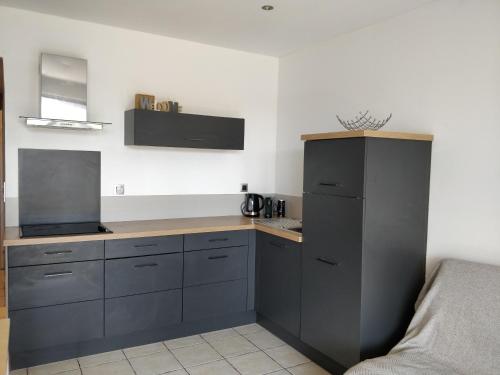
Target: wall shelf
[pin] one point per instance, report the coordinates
(167, 129)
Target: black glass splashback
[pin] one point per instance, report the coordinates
(59, 187)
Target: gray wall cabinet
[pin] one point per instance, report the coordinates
(364, 250)
(166, 129)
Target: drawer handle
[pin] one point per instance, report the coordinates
(146, 245)
(330, 184)
(217, 257)
(146, 265)
(58, 252)
(275, 244)
(195, 139)
(58, 274)
(327, 261)
(218, 239)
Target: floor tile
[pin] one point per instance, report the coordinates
(233, 346)
(213, 368)
(139, 351)
(184, 342)
(264, 340)
(177, 372)
(54, 368)
(113, 368)
(196, 355)
(249, 328)
(257, 363)
(154, 364)
(280, 372)
(101, 358)
(21, 371)
(217, 335)
(308, 369)
(286, 356)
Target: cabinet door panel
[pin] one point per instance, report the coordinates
(142, 312)
(215, 265)
(278, 270)
(143, 274)
(335, 167)
(331, 278)
(45, 327)
(53, 284)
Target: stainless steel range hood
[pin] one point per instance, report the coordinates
(63, 99)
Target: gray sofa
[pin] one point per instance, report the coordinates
(456, 327)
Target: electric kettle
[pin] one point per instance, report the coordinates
(252, 205)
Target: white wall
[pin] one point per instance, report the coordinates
(437, 70)
(204, 79)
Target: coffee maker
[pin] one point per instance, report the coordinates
(252, 205)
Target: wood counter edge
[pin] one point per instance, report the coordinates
(4, 345)
(368, 134)
(297, 237)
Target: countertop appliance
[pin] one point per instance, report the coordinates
(59, 192)
(268, 207)
(252, 205)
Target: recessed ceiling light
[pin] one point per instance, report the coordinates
(267, 7)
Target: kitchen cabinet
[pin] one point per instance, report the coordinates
(78, 298)
(365, 212)
(278, 277)
(167, 129)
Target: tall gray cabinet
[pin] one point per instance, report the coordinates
(365, 232)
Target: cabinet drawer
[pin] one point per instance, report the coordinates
(216, 265)
(143, 312)
(213, 300)
(143, 274)
(143, 246)
(54, 284)
(45, 327)
(335, 167)
(215, 240)
(55, 253)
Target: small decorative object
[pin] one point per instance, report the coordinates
(168, 106)
(144, 101)
(364, 121)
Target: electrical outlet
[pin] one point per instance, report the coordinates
(119, 189)
(244, 187)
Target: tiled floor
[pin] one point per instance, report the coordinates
(245, 350)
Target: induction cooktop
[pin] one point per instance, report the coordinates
(62, 229)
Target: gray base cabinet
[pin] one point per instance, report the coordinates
(365, 232)
(68, 300)
(142, 312)
(56, 325)
(278, 277)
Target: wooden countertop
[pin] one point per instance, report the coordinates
(152, 228)
(4, 345)
(367, 133)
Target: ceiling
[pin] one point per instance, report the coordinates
(237, 24)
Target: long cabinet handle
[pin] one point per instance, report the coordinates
(217, 257)
(146, 265)
(58, 274)
(195, 139)
(146, 245)
(330, 184)
(327, 261)
(58, 252)
(218, 239)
